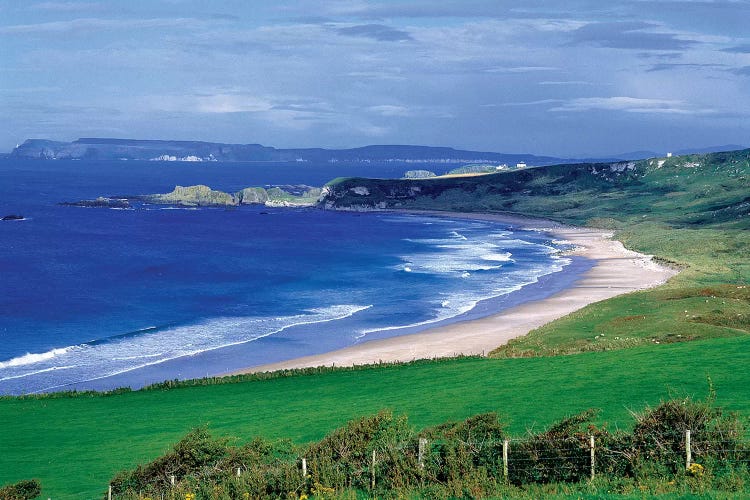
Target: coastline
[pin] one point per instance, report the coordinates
(616, 271)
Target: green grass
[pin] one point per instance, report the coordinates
(709, 298)
(74, 445)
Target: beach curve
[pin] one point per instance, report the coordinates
(616, 271)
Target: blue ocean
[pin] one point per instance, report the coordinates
(97, 298)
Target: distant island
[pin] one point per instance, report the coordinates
(197, 151)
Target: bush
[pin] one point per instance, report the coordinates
(22, 490)
(463, 459)
(344, 457)
(470, 448)
(659, 433)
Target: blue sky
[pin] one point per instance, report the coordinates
(568, 78)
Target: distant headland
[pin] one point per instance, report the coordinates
(194, 151)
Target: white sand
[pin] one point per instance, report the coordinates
(616, 271)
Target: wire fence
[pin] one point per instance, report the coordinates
(535, 459)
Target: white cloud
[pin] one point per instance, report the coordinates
(229, 103)
(67, 6)
(629, 105)
(520, 69)
(390, 110)
(96, 24)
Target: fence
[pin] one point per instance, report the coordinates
(534, 459)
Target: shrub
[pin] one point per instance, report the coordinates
(344, 457)
(22, 490)
(659, 433)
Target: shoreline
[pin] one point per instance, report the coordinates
(616, 271)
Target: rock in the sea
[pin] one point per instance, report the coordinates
(252, 196)
(12, 217)
(418, 174)
(199, 195)
(100, 202)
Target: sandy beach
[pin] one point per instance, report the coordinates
(616, 271)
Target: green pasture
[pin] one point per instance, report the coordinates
(75, 444)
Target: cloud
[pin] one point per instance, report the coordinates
(743, 71)
(525, 103)
(629, 35)
(671, 66)
(520, 69)
(85, 25)
(378, 32)
(390, 110)
(565, 82)
(627, 104)
(739, 49)
(67, 6)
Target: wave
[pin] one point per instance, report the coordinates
(32, 358)
(29, 374)
(452, 256)
(127, 352)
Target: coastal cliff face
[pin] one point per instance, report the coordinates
(680, 190)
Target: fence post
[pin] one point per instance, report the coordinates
(422, 447)
(171, 480)
(304, 467)
(238, 472)
(593, 456)
(109, 493)
(505, 460)
(688, 451)
(372, 479)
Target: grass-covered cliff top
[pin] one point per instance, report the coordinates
(698, 191)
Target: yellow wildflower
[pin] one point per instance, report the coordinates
(695, 469)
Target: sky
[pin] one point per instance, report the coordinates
(568, 78)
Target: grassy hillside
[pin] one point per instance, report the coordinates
(691, 211)
(75, 444)
(685, 191)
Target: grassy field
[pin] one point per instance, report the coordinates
(74, 445)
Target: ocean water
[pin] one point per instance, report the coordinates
(102, 298)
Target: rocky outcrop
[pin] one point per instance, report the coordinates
(192, 196)
(419, 174)
(100, 202)
(252, 196)
(12, 217)
(203, 196)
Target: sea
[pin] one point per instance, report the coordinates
(100, 298)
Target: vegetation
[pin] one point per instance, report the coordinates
(102, 434)
(693, 191)
(473, 169)
(382, 455)
(22, 490)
